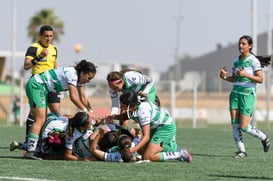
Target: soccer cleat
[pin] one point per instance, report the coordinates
(185, 156)
(266, 144)
(31, 155)
(14, 145)
(240, 154)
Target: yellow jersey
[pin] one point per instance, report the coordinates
(45, 63)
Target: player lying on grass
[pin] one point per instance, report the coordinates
(158, 129)
(80, 134)
(119, 152)
(51, 139)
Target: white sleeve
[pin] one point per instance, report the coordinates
(137, 78)
(112, 157)
(115, 102)
(150, 83)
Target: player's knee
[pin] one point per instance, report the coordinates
(152, 157)
(244, 129)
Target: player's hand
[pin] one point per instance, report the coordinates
(43, 53)
(108, 119)
(223, 73)
(241, 72)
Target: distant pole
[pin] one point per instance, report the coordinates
(194, 108)
(269, 52)
(177, 64)
(254, 37)
(254, 24)
(13, 50)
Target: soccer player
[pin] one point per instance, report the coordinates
(51, 139)
(246, 73)
(158, 129)
(130, 80)
(117, 152)
(78, 133)
(71, 79)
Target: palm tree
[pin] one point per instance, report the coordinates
(45, 17)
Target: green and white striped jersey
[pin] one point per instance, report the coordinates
(57, 80)
(149, 113)
(243, 85)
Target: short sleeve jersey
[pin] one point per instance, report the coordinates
(57, 80)
(250, 64)
(114, 155)
(47, 62)
(54, 123)
(149, 113)
(81, 145)
(134, 81)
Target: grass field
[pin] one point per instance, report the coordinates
(212, 149)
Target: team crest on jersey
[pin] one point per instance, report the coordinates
(247, 64)
(134, 79)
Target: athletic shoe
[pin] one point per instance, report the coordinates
(240, 154)
(266, 144)
(185, 156)
(14, 145)
(31, 155)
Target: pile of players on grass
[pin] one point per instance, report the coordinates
(114, 138)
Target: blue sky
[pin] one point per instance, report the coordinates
(142, 31)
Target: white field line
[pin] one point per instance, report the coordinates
(21, 178)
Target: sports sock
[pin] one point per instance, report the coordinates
(238, 137)
(253, 131)
(29, 122)
(32, 142)
(163, 156)
(22, 146)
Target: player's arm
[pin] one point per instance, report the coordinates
(115, 101)
(94, 142)
(68, 155)
(74, 97)
(149, 84)
(144, 140)
(83, 98)
(29, 56)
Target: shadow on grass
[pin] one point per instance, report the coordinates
(3, 147)
(206, 155)
(13, 157)
(242, 177)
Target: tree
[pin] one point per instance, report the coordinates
(45, 17)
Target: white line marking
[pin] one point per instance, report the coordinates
(20, 178)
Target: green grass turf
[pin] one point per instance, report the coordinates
(212, 149)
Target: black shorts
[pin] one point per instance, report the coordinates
(53, 97)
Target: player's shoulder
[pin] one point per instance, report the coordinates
(36, 45)
(144, 105)
(52, 46)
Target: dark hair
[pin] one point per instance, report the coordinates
(79, 119)
(124, 145)
(129, 98)
(85, 67)
(115, 75)
(264, 60)
(45, 28)
(108, 140)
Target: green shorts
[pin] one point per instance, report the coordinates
(36, 93)
(165, 136)
(244, 103)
